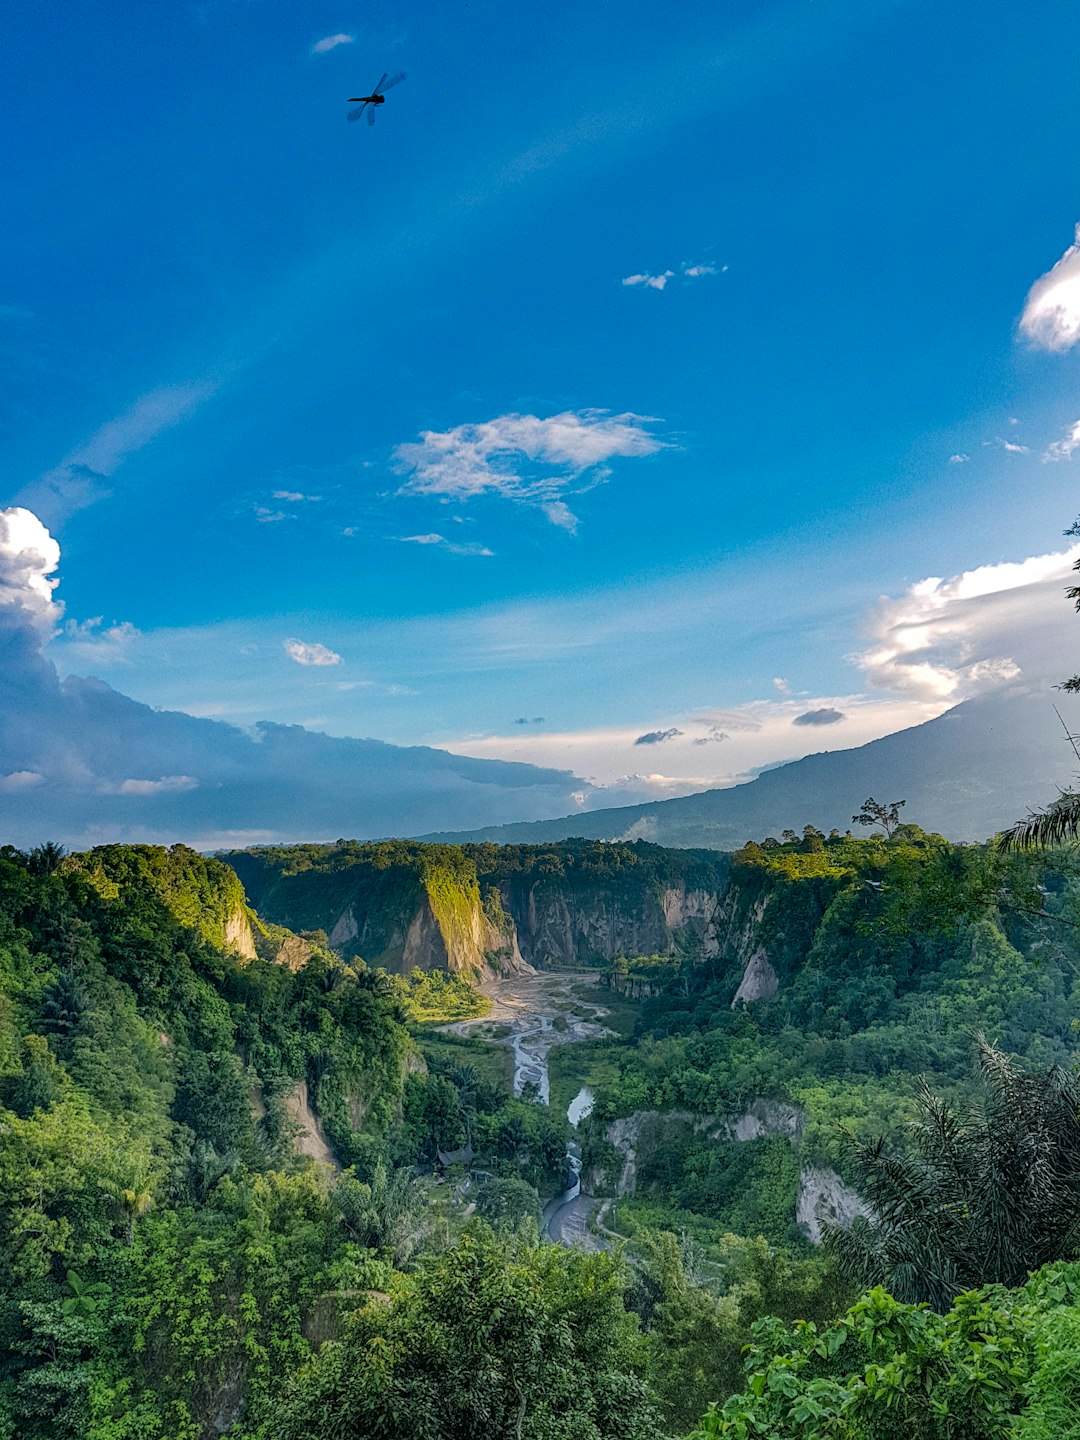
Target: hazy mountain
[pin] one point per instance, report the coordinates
(81, 763)
(966, 774)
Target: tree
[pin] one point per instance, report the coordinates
(984, 1194)
(512, 1200)
(494, 1338)
(874, 813)
(45, 859)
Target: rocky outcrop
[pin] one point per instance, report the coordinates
(560, 924)
(238, 936)
(824, 1199)
(309, 1139)
(759, 1121)
(759, 982)
(634, 986)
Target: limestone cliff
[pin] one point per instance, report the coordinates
(822, 1199)
(479, 910)
(396, 906)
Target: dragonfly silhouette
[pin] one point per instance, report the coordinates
(369, 102)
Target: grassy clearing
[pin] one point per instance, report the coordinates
(591, 1062)
(493, 1062)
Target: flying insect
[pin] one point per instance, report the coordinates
(369, 103)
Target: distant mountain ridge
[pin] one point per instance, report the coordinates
(966, 774)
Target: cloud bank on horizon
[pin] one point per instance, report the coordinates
(83, 764)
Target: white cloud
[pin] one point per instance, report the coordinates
(331, 42)
(21, 780)
(686, 270)
(1064, 449)
(779, 683)
(295, 497)
(310, 653)
(443, 544)
(949, 639)
(1014, 449)
(28, 557)
(560, 514)
(523, 458)
(1051, 316)
(651, 282)
(167, 785)
(959, 459)
(93, 640)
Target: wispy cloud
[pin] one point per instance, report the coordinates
(523, 458)
(441, 542)
(295, 497)
(21, 780)
(94, 640)
(1051, 316)
(167, 785)
(651, 282)
(310, 653)
(82, 476)
(959, 459)
(1065, 448)
(331, 42)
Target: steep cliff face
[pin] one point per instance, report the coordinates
(481, 910)
(401, 907)
(585, 905)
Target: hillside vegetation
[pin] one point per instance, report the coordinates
(221, 1208)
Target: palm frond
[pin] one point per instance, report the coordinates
(1060, 821)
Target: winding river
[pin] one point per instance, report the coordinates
(542, 1011)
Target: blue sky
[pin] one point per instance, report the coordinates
(227, 318)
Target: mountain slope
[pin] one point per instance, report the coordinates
(965, 775)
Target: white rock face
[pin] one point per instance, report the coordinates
(824, 1199)
(345, 929)
(238, 936)
(760, 1120)
(759, 981)
(310, 1139)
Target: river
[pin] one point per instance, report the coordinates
(542, 1011)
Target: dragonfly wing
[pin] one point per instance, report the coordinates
(355, 114)
(394, 80)
(371, 115)
(379, 86)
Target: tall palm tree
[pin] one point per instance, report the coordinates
(983, 1194)
(1060, 820)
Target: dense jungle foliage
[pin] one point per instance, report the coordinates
(177, 1264)
(891, 955)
